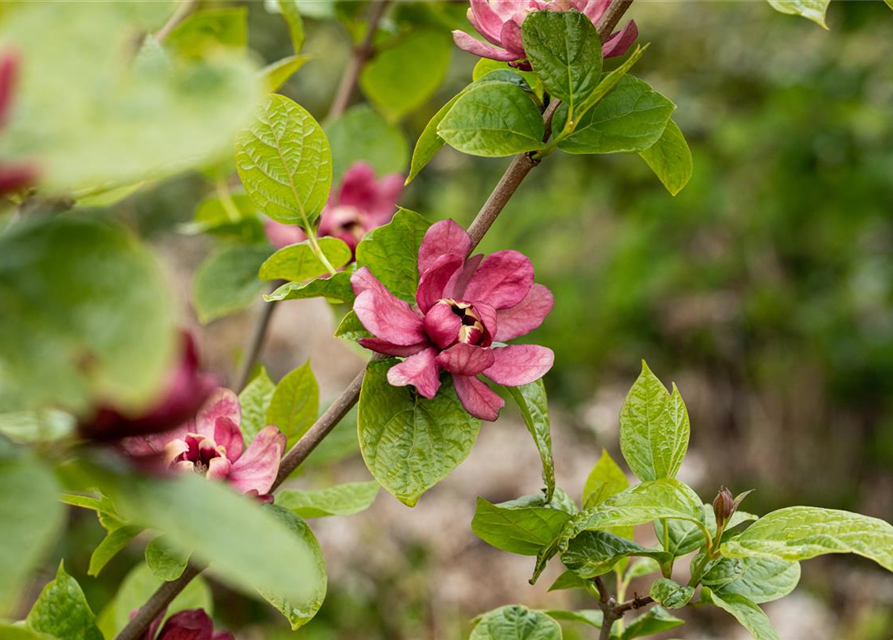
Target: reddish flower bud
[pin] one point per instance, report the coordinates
(723, 506)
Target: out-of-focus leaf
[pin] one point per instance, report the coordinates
(207, 32)
(810, 9)
(277, 73)
(361, 134)
(36, 426)
(165, 561)
(227, 280)
(289, 11)
(111, 545)
(340, 500)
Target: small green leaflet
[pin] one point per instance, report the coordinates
(570, 580)
(670, 159)
(294, 406)
(758, 579)
(255, 398)
(113, 542)
(516, 622)
(391, 253)
(671, 594)
(605, 480)
(61, 611)
(654, 428)
(227, 281)
(745, 611)
(298, 263)
(164, 561)
(340, 500)
(594, 553)
(289, 11)
(350, 328)
(276, 74)
(335, 289)
(531, 399)
(608, 81)
(810, 9)
(524, 530)
(656, 620)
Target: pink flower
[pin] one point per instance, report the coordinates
(12, 176)
(211, 445)
(192, 624)
(499, 21)
(185, 392)
(362, 204)
(465, 307)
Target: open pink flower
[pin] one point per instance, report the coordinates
(499, 21)
(466, 306)
(212, 445)
(192, 624)
(12, 176)
(362, 204)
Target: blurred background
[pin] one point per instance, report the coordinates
(764, 290)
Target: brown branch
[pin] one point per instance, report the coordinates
(636, 603)
(156, 604)
(612, 16)
(256, 342)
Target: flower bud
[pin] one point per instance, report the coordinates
(723, 506)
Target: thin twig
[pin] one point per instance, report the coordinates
(636, 603)
(612, 16)
(184, 9)
(257, 340)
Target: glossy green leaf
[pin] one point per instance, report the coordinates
(524, 530)
(295, 403)
(406, 72)
(30, 520)
(758, 579)
(685, 537)
(227, 282)
(350, 328)
(592, 617)
(289, 11)
(566, 53)
(670, 159)
(531, 399)
(609, 81)
(800, 533)
(810, 9)
(630, 118)
(671, 594)
(114, 542)
(298, 263)
(284, 161)
(642, 567)
(164, 560)
(99, 329)
(300, 611)
(410, 443)
(391, 253)
(656, 620)
(745, 611)
(276, 74)
(61, 611)
(515, 622)
(605, 480)
(362, 135)
(570, 580)
(594, 553)
(210, 32)
(341, 500)
(335, 288)
(493, 120)
(255, 399)
(654, 428)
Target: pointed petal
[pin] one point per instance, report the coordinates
(478, 399)
(525, 316)
(223, 403)
(382, 313)
(435, 279)
(258, 466)
(482, 49)
(488, 316)
(444, 237)
(510, 39)
(442, 325)
(219, 468)
(358, 186)
(520, 364)
(593, 9)
(466, 360)
(388, 349)
(228, 436)
(192, 624)
(620, 42)
(502, 281)
(459, 282)
(419, 370)
(485, 20)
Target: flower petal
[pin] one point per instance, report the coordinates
(466, 360)
(520, 364)
(619, 42)
(482, 49)
(478, 399)
(388, 349)
(442, 238)
(192, 624)
(228, 436)
(593, 9)
(434, 280)
(420, 370)
(357, 187)
(382, 313)
(387, 192)
(525, 316)
(502, 281)
(510, 39)
(442, 325)
(258, 466)
(485, 20)
(459, 282)
(488, 316)
(219, 468)
(223, 403)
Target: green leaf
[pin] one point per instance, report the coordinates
(210, 31)
(255, 399)
(231, 217)
(410, 443)
(350, 328)
(31, 427)
(685, 537)
(570, 580)
(592, 617)
(889, 3)
(285, 163)
(524, 530)
(671, 594)
(800, 533)
(566, 53)
(810, 9)
(119, 123)
(104, 508)
(391, 253)
(340, 500)
(407, 71)
(297, 262)
(295, 403)
(745, 611)
(69, 338)
(276, 74)
(758, 579)
(111, 545)
(164, 560)
(655, 621)
(670, 159)
(334, 289)
(362, 135)
(14, 632)
(605, 480)
(531, 399)
(516, 622)
(630, 118)
(30, 520)
(642, 567)
(654, 428)
(609, 81)
(493, 120)
(227, 280)
(62, 611)
(594, 553)
(300, 611)
(289, 10)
